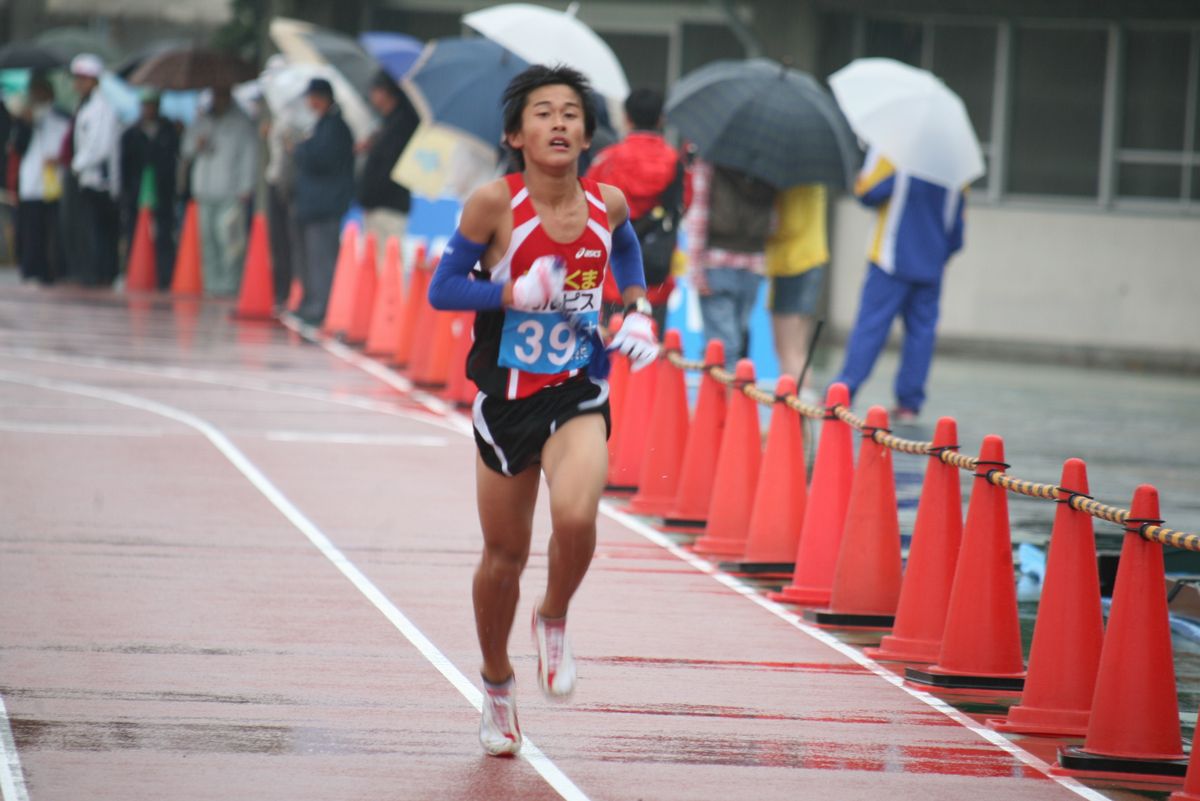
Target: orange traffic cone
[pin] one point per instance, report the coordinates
(618, 377)
(461, 390)
(141, 271)
(737, 472)
(418, 287)
(659, 478)
(385, 317)
(1134, 727)
(342, 294)
(188, 277)
(690, 511)
(779, 500)
(425, 330)
(981, 646)
(866, 581)
(631, 431)
(1191, 784)
(932, 556)
(435, 368)
(1069, 632)
(364, 295)
(258, 293)
(825, 514)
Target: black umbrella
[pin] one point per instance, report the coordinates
(20, 55)
(767, 120)
(192, 68)
(126, 66)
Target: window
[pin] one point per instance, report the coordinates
(644, 57)
(421, 24)
(1154, 111)
(1057, 111)
(837, 44)
(898, 40)
(964, 56)
(704, 43)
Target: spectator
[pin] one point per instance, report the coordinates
(386, 202)
(286, 254)
(727, 230)
(150, 158)
(324, 188)
(796, 255)
(658, 189)
(40, 132)
(223, 146)
(919, 227)
(95, 165)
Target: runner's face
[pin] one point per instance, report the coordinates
(552, 127)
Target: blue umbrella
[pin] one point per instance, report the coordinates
(458, 83)
(765, 119)
(395, 52)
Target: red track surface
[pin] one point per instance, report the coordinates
(166, 632)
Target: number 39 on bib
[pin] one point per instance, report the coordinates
(541, 342)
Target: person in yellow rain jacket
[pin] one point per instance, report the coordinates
(919, 226)
(797, 253)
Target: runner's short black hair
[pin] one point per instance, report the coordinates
(644, 107)
(516, 94)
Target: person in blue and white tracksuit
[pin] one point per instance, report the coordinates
(918, 228)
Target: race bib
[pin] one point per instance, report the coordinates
(545, 342)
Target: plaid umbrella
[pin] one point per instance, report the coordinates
(192, 68)
(766, 120)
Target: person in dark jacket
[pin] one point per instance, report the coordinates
(151, 144)
(324, 165)
(386, 202)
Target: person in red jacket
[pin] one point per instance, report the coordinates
(643, 166)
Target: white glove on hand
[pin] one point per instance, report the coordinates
(541, 287)
(636, 340)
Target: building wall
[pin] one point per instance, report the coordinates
(1049, 282)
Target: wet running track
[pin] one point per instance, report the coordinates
(236, 564)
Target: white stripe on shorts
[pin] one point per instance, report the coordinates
(482, 427)
(599, 399)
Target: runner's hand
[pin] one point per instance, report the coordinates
(636, 340)
(541, 286)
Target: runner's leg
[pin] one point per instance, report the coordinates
(575, 461)
(506, 515)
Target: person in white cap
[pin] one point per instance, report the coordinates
(95, 165)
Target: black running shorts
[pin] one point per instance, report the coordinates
(510, 434)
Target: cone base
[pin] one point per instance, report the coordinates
(620, 488)
(719, 546)
(1074, 758)
(903, 649)
(1034, 720)
(802, 596)
(759, 568)
(649, 506)
(934, 676)
(847, 620)
(685, 524)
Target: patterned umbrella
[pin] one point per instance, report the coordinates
(767, 120)
(192, 68)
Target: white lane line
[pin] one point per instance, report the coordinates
(850, 652)
(79, 430)
(436, 419)
(12, 778)
(529, 752)
(350, 438)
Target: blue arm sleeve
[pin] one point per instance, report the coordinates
(453, 289)
(626, 258)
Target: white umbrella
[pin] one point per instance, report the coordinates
(545, 36)
(911, 117)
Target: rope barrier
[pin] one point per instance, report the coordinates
(1151, 530)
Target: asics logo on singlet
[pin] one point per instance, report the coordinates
(585, 253)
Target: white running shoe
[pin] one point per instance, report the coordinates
(499, 732)
(556, 665)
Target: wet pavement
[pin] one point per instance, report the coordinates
(219, 540)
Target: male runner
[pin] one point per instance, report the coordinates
(543, 239)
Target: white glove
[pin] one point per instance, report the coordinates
(636, 340)
(541, 287)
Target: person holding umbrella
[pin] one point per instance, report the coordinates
(543, 239)
(150, 153)
(919, 226)
(384, 201)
